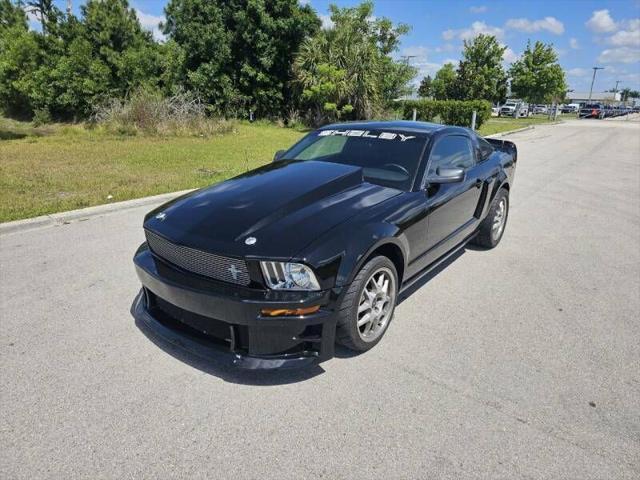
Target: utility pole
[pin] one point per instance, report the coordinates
(69, 6)
(595, 69)
(615, 91)
(407, 59)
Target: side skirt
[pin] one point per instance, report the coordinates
(418, 276)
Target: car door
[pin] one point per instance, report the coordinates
(451, 206)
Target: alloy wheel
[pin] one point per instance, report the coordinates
(499, 219)
(376, 304)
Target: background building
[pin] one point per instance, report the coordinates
(582, 97)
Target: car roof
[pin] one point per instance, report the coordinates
(402, 125)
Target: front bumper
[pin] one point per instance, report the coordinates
(224, 323)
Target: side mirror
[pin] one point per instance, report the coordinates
(278, 155)
(447, 175)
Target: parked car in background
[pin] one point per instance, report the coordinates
(275, 265)
(540, 110)
(514, 108)
(570, 108)
(593, 110)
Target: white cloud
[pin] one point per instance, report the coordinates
(33, 18)
(620, 55)
(550, 24)
(426, 68)
(447, 47)
(625, 38)
(510, 56)
(560, 52)
(577, 72)
(478, 9)
(415, 51)
(151, 23)
(630, 78)
(573, 43)
(304, 2)
(326, 21)
(601, 22)
(476, 29)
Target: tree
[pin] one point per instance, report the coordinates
(238, 53)
(480, 75)
(73, 85)
(359, 45)
(424, 90)
(634, 94)
(46, 10)
(536, 76)
(625, 93)
(116, 38)
(325, 93)
(19, 58)
(444, 83)
(11, 15)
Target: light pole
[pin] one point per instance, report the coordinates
(615, 91)
(407, 59)
(595, 69)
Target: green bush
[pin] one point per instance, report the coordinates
(450, 112)
(41, 116)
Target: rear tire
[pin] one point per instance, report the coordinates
(492, 227)
(367, 307)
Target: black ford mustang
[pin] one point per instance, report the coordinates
(271, 268)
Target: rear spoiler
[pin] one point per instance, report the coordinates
(504, 146)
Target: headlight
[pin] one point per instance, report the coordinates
(289, 276)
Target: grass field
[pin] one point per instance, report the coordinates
(63, 167)
(503, 124)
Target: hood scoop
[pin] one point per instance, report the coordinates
(351, 177)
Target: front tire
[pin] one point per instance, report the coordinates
(492, 227)
(368, 305)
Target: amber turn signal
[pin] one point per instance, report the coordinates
(279, 312)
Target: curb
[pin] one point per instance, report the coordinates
(509, 132)
(523, 129)
(63, 218)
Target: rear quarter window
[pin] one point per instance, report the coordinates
(484, 149)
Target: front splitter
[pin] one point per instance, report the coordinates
(209, 352)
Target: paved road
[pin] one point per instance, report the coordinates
(522, 362)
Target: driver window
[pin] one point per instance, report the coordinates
(451, 152)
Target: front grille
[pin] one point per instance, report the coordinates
(197, 261)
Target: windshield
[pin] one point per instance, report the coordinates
(387, 158)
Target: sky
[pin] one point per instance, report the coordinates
(585, 33)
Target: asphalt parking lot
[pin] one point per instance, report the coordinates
(521, 362)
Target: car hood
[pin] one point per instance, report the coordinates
(283, 205)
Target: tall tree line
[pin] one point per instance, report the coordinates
(235, 55)
(536, 76)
